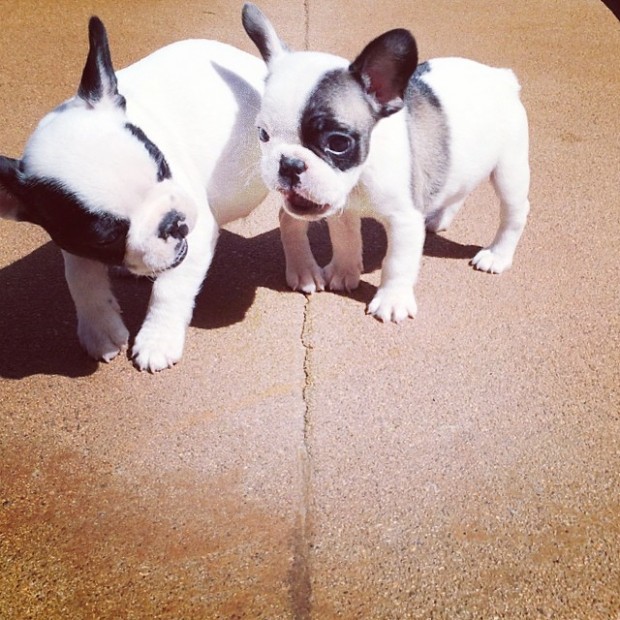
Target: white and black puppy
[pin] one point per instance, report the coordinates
(139, 170)
(386, 137)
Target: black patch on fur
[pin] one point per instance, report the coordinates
(163, 170)
(430, 144)
(98, 236)
(319, 122)
(10, 169)
(384, 68)
(418, 87)
(421, 69)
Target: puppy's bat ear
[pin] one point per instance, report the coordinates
(98, 78)
(384, 68)
(261, 31)
(11, 206)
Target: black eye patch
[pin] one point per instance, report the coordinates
(99, 236)
(335, 143)
(163, 170)
(341, 142)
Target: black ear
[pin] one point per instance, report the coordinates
(98, 77)
(261, 31)
(384, 68)
(11, 206)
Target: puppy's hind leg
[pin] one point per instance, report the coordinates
(511, 180)
(101, 330)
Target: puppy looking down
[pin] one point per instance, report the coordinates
(140, 169)
(386, 137)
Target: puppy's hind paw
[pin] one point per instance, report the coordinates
(157, 348)
(104, 338)
(393, 305)
(490, 261)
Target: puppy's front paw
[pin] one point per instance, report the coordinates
(342, 277)
(103, 337)
(307, 278)
(490, 261)
(393, 304)
(158, 347)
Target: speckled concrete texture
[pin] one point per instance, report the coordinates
(303, 460)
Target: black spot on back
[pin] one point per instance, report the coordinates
(418, 87)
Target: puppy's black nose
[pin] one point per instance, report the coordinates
(173, 225)
(291, 168)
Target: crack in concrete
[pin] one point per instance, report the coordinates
(300, 574)
(306, 24)
(301, 582)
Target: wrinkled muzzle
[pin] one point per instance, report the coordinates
(159, 230)
(312, 189)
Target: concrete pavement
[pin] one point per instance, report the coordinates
(304, 460)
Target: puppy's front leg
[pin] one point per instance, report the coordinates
(100, 329)
(394, 300)
(160, 341)
(302, 271)
(345, 268)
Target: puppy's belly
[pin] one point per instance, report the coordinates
(459, 184)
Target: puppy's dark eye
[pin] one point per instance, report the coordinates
(338, 143)
(263, 136)
(109, 239)
(107, 231)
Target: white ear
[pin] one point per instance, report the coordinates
(263, 34)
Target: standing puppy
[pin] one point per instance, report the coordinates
(384, 136)
(139, 169)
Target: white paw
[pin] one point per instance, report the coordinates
(158, 347)
(104, 337)
(307, 278)
(342, 277)
(487, 260)
(393, 304)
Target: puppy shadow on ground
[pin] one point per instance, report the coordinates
(375, 247)
(240, 266)
(38, 332)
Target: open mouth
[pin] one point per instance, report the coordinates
(301, 206)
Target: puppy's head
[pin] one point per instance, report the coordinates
(95, 182)
(318, 113)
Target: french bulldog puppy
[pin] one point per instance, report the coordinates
(386, 137)
(139, 170)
